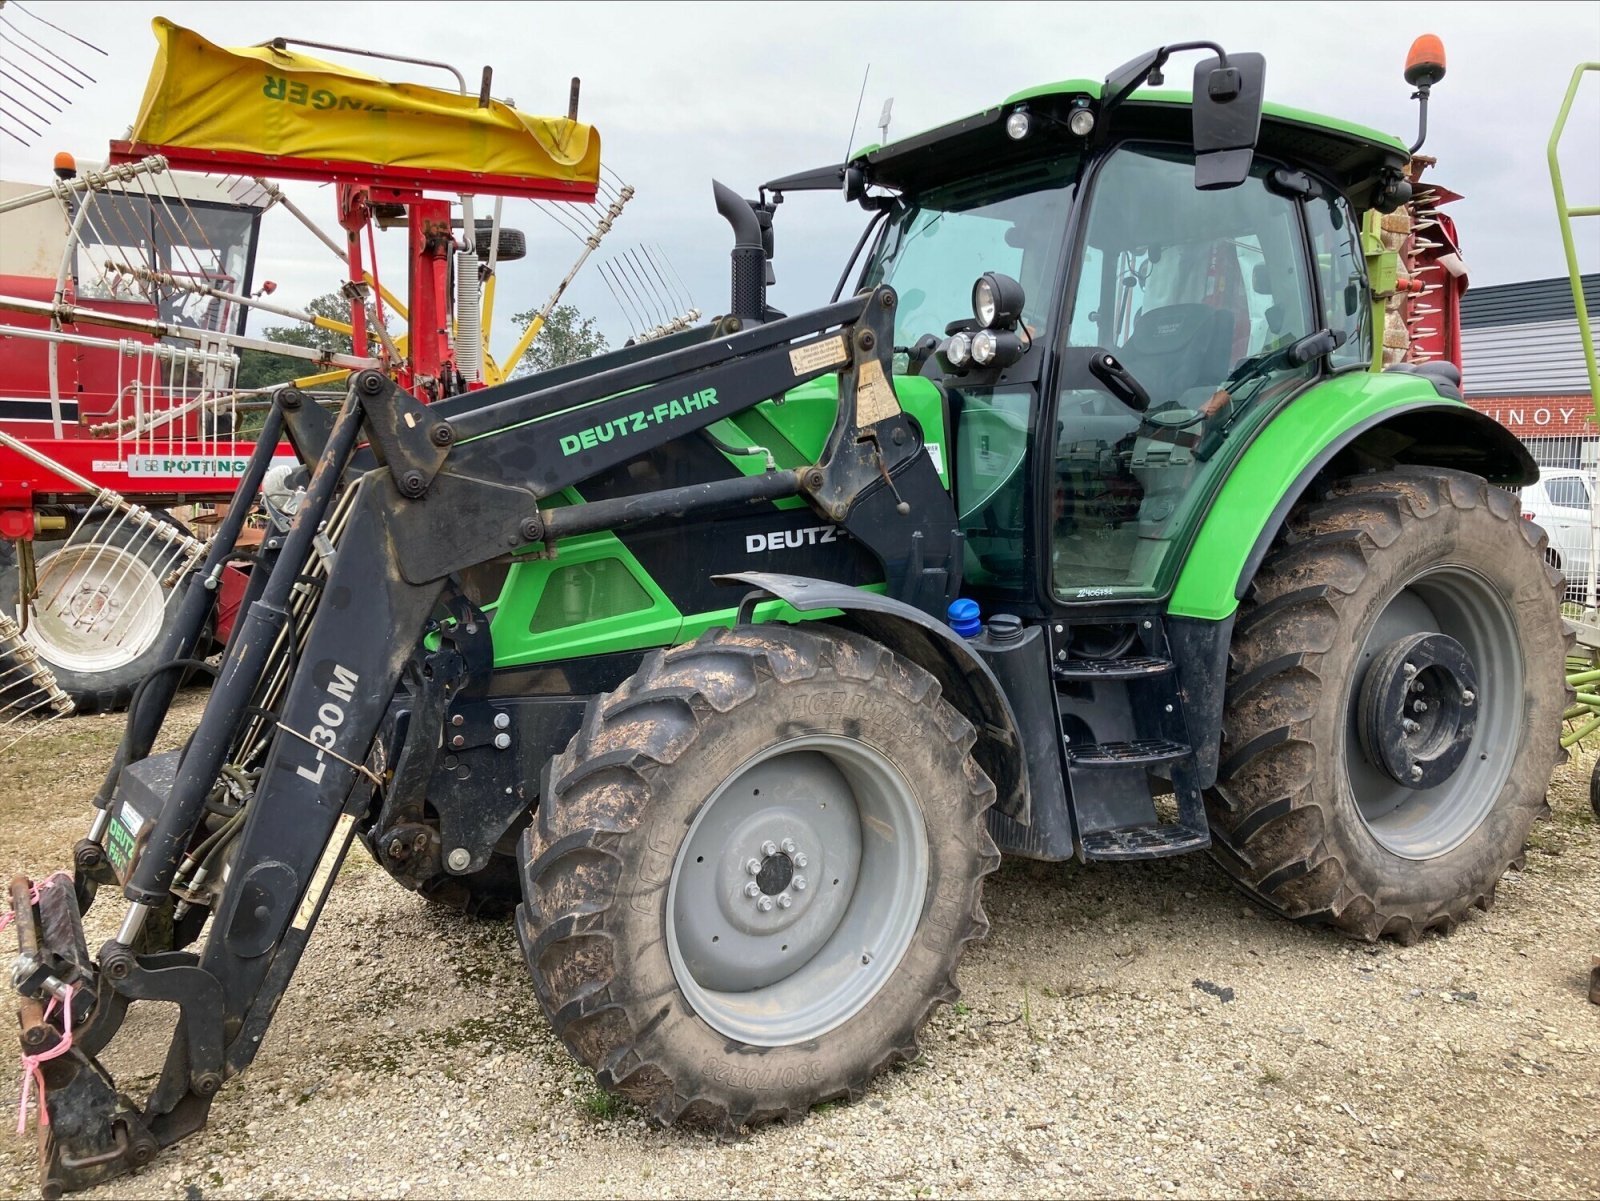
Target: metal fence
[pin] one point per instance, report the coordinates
(1566, 503)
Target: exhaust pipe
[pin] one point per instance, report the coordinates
(749, 299)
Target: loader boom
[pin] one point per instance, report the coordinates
(438, 489)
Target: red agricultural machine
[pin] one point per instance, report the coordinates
(124, 295)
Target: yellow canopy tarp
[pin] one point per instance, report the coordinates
(231, 104)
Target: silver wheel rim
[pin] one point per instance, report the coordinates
(1424, 823)
(99, 607)
(797, 890)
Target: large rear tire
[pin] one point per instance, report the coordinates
(753, 874)
(1394, 706)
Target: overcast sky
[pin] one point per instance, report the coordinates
(682, 93)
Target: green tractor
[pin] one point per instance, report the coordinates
(1083, 522)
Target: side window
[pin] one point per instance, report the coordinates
(1341, 278)
(1203, 283)
(1568, 492)
(1087, 319)
(995, 430)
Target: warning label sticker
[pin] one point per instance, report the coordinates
(875, 398)
(805, 359)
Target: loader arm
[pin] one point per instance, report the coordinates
(311, 671)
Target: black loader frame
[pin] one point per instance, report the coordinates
(344, 593)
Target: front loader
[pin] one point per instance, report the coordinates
(1088, 525)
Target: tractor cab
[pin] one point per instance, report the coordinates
(1110, 320)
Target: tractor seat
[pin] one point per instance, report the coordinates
(1178, 347)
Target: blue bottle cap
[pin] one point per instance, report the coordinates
(964, 618)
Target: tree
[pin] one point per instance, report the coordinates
(263, 369)
(567, 336)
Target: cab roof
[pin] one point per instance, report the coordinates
(1349, 155)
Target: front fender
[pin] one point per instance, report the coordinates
(966, 680)
(1377, 419)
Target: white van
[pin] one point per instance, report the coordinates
(1563, 503)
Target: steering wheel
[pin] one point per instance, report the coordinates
(1172, 418)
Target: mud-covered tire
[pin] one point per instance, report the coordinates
(619, 807)
(1287, 821)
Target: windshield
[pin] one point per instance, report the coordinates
(934, 248)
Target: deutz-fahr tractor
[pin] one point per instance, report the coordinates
(1083, 522)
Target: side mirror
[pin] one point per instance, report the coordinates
(1227, 119)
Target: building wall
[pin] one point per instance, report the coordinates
(1538, 358)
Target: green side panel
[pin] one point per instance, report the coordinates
(1267, 469)
(796, 426)
(593, 597)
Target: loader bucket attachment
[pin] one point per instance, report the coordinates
(88, 1133)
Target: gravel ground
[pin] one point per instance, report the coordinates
(1126, 1030)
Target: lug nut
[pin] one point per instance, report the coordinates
(785, 901)
(1410, 669)
(1416, 772)
(752, 889)
(1419, 706)
(798, 883)
(764, 904)
(1467, 697)
(787, 846)
(769, 847)
(800, 860)
(753, 866)
(1409, 726)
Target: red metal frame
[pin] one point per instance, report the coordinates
(177, 477)
(102, 460)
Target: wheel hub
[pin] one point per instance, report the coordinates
(796, 890)
(775, 873)
(1418, 709)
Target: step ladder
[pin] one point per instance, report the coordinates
(1125, 740)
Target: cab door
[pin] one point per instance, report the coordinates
(1198, 294)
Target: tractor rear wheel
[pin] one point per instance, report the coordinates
(754, 872)
(1394, 706)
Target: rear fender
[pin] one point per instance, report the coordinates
(965, 679)
(1409, 423)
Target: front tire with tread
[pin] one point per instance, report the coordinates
(617, 807)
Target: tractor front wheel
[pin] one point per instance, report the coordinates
(754, 872)
(1393, 707)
